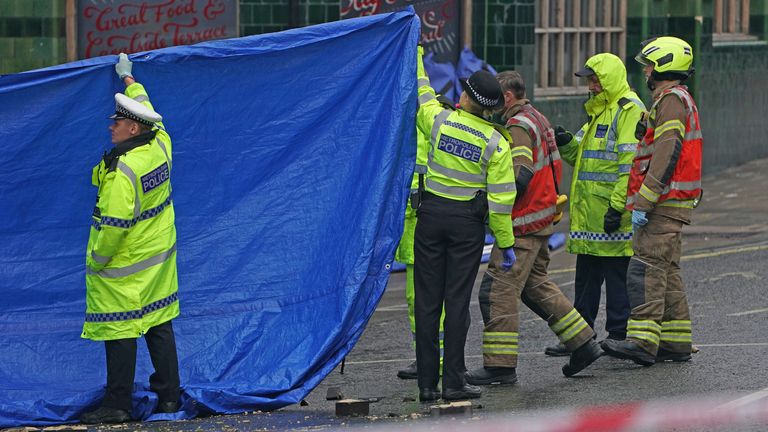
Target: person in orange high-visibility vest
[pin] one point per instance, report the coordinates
(664, 187)
(537, 167)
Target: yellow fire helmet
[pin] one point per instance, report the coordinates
(671, 57)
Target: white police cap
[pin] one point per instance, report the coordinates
(127, 108)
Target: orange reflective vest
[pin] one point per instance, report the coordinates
(684, 186)
(535, 210)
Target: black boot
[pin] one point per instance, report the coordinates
(105, 415)
(491, 375)
(628, 350)
(466, 392)
(582, 357)
(167, 407)
(429, 394)
(664, 355)
(558, 350)
(409, 372)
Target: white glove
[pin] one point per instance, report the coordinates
(123, 66)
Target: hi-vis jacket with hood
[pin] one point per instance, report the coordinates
(601, 154)
(131, 281)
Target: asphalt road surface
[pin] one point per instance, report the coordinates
(725, 266)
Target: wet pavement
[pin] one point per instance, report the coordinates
(725, 265)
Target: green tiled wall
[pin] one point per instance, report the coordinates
(32, 34)
(503, 33)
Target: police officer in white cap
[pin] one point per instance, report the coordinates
(131, 280)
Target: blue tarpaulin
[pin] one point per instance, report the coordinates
(293, 154)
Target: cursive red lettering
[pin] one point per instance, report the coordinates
(213, 9)
(364, 7)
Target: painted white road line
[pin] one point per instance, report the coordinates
(540, 353)
(746, 400)
(749, 312)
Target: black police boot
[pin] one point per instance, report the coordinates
(491, 375)
(582, 357)
(429, 394)
(665, 355)
(167, 407)
(558, 350)
(409, 372)
(467, 392)
(628, 350)
(105, 415)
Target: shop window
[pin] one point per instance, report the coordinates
(570, 31)
(730, 21)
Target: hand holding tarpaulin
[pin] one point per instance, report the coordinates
(123, 66)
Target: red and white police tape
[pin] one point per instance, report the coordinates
(664, 415)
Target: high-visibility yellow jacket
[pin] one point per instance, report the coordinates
(601, 154)
(131, 281)
(466, 155)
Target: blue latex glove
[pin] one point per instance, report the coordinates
(123, 66)
(638, 219)
(509, 258)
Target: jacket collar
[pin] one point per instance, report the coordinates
(514, 109)
(121, 148)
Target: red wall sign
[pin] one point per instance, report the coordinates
(439, 21)
(114, 26)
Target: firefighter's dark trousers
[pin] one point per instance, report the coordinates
(528, 281)
(660, 316)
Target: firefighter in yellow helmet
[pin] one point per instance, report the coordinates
(131, 282)
(664, 187)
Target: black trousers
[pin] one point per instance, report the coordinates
(591, 271)
(447, 251)
(121, 367)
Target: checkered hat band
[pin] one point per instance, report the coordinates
(119, 109)
(484, 101)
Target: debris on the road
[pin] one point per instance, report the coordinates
(352, 407)
(334, 393)
(453, 408)
(304, 402)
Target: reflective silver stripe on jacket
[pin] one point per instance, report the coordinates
(134, 268)
(534, 217)
(627, 148)
(425, 97)
(579, 135)
(529, 123)
(613, 132)
(493, 143)
(439, 120)
(423, 82)
(682, 186)
(130, 174)
(499, 208)
(598, 176)
(501, 187)
(462, 191)
(455, 174)
(141, 98)
(541, 159)
(420, 169)
(100, 258)
(600, 154)
(165, 150)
